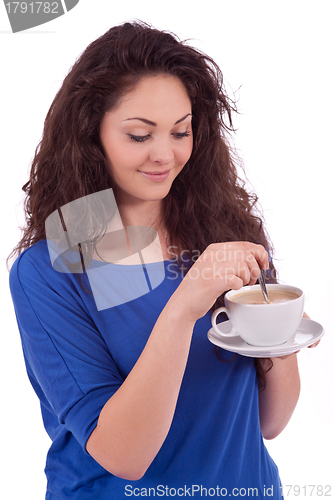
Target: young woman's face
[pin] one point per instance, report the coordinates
(148, 139)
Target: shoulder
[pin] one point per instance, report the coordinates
(30, 262)
(33, 274)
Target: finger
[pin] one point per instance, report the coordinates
(232, 282)
(260, 254)
(238, 269)
(251, 263)
(253, 267)
(313, 345)
(240, 251)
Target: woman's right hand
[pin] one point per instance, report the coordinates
(221, 267)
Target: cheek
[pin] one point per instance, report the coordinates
(186, 152)
(123, 158)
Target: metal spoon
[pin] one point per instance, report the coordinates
(263, 286)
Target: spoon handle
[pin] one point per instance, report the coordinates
(263, 286)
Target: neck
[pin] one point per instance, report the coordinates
(141, 214)
(112, 248)
(148, 214)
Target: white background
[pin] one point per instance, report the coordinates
(277, 58)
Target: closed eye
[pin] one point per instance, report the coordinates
(139, 138)
(181, 135)
(143, 138)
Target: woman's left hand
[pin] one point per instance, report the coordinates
(313, 345)
(309, 346)
(316, 343)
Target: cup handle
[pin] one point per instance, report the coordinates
(218, 311)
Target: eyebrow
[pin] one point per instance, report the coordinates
(148, 122)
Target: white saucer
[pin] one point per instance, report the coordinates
(308, 333)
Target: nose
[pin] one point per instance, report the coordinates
(162, 152)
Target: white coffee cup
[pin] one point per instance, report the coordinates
(263, 324)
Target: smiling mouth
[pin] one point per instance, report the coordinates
(156, 176)
(155, 173)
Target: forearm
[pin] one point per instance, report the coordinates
(135, 421)
(278, 401)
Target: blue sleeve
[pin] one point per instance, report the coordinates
(66, 357)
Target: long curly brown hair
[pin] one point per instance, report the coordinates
(207, 202)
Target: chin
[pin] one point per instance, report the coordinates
(157, 195)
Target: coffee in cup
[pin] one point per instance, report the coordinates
(256, 297)
(259, 323)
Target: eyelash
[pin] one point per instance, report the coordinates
(143, 138)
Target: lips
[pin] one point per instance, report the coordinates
(155, 176)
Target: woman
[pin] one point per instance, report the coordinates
(134, 397)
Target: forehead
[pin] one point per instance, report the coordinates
(161, 95)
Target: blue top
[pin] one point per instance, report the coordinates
(77, 354)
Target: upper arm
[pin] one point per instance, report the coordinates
(66, 357)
